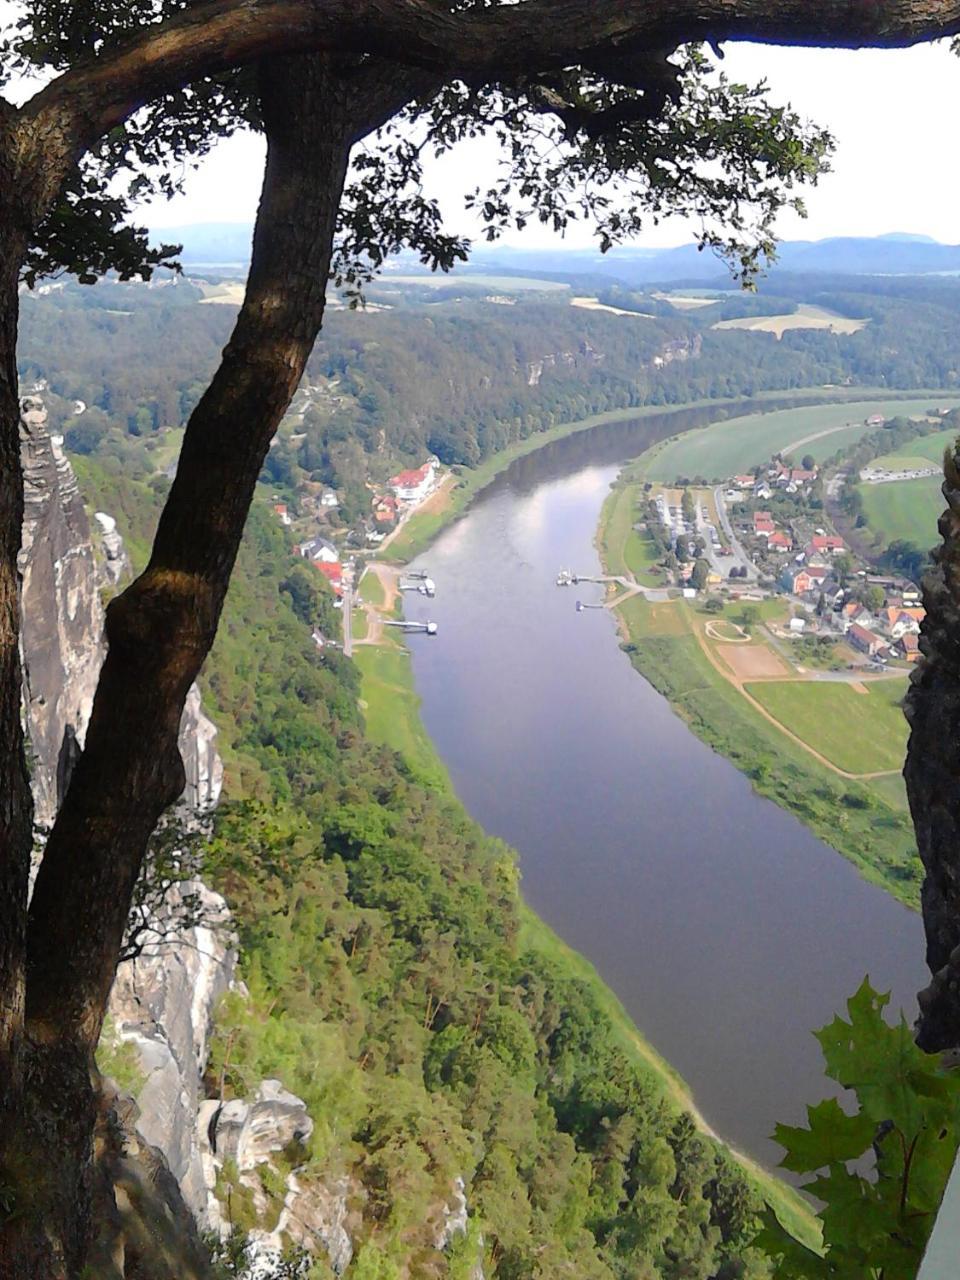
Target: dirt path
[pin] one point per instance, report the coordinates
(387, 577)
(817, 435)
(757, 706)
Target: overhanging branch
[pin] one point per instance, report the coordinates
(498, 43)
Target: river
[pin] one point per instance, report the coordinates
(726, 928)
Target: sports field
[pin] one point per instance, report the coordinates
(907, 509)
(858, 732)
(726, 448)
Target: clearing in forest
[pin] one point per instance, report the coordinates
(805, 317)
(858, 733)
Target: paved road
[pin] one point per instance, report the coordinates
(739, 557)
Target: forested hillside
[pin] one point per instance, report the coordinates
(389, 987)
(460, 373)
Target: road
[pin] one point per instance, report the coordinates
(347, 586)
(739, 557)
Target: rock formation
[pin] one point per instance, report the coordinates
(163, 1003)
(62, 612)
(63, 617)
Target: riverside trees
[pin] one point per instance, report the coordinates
(584, 94)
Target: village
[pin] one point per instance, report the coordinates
(337, 553)
(766, 534)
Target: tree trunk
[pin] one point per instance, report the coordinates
(932, 773)
(159, 632)
(15, 800)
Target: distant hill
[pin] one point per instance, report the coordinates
(897, 253)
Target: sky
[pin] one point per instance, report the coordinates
(892, 112)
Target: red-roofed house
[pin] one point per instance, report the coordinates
(828, 544)
(413, 486)
(332, 572)
(909, 646)
(865, 640)
(763, 525)
(780, 541)
(284, 515)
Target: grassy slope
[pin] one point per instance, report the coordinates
(929, 449)
(861, 733)
(391, 710)
(625, 550)
(907, 509)
(733, 446)
(421, 529)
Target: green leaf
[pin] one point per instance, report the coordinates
(832, 1136)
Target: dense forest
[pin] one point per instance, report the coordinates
(454, 372)
(390, 986)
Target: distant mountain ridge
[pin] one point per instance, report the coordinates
(224, 244)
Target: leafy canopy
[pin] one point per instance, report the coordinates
(618, 150)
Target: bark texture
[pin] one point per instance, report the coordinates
(159, 632)
(15, 803)
(932, 774)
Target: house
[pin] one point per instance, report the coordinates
(333, 574)
(319, 550)
(792, 478)
(329, 499)
(796, 581)
(413, 486)
(385, 509)
(866, 641)
(901, 623)
(798, 626)
(780, 541)
(908, 646)
(825, 545)
(280, 508)
(855, 614)
(763, 524)
(743, 482)
(876, 420)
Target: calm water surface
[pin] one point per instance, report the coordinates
(724, 926)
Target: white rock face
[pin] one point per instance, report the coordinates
(116, 562)
(248, 1133)
(164, 1004)
(62, 632)
(455, 1219)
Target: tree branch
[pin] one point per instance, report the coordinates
(162, 627)
(498, 43)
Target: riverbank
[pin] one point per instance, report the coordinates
(391, 708)
(423, 525)
(860, 812)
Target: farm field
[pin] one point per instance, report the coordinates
(805, 317)
(725, 448)
(874, 831)
(907, 509)
(594, 304)
(858, 732)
